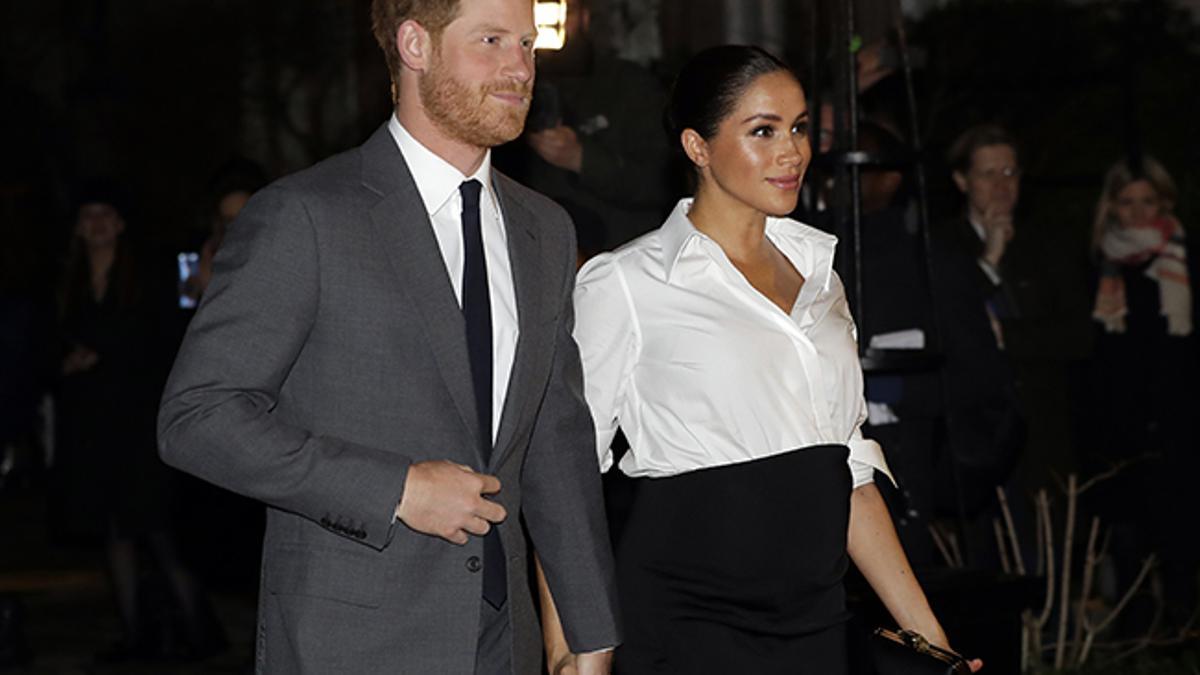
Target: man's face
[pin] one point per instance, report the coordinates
(479, 82)
(992, 183)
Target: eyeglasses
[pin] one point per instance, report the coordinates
(994, 174)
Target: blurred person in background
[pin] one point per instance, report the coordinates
(1143, 382)
(1033, 280)
(110, 483)
(594, 136)
(231, 187)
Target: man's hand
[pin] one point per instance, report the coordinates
(997, 232)
(445, 500)
(559, 146)
(594, 663)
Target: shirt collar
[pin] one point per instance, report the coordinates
(977, 227)
(437, 180)
(809, 249)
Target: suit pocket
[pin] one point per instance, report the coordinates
(331, 574)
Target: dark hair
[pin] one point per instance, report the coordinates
(76, 289)
(100, 190)
(980, 136)
(709, 85)
(237, 174)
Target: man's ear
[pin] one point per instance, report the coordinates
(960, 179)
(695, 147)
(415, 45)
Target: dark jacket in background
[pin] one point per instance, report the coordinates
(616, 109)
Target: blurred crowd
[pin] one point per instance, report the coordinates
(1047, 357)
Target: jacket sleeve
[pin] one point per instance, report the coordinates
(218, 418)
(562, 501)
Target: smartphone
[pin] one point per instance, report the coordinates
(189, 266)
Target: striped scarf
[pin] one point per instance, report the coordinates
(1161, 242)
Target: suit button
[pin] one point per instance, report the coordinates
(474, 564)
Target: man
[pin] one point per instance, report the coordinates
(1034, 282)
(384, 357)
(595, 142)
(986, 172)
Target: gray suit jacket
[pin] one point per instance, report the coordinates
(328, 354)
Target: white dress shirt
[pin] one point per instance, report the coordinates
(701, 370)
(438, 183)
(992, 273)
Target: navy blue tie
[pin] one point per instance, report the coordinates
(477, 312)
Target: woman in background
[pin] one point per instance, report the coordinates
(723, 346)
(111, 484)
(1145, 368)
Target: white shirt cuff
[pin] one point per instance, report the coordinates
(865, 457)
(992, 274)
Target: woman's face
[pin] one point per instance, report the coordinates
(99, 225)
(1137, 204)
(761, 149)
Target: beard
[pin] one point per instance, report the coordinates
(470, 114)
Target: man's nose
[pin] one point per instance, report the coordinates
(519, 65)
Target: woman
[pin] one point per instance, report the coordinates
(110, 482)
(1145, 364)
(723, 346)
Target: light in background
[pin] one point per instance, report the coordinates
(551, 20)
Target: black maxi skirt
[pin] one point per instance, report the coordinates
(738, 569)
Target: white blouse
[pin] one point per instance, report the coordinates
(701, 370)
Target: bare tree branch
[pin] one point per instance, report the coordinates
(1003, 551)
(1085, 591)
(940, 542)
(1114, 470)
(1093, 630)
(1018, 559)
(1064, 604)
(1044, 514)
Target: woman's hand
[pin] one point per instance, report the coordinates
(937, 637)
(81, 359)
(873, 545)
(595, 663)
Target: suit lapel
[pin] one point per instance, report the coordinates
(526, 259)
(402, 225)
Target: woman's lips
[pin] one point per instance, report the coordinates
(786, 182)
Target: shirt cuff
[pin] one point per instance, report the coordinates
(865, 458)
(992, 274)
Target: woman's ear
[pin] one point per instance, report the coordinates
(695, 147)
(414, 44)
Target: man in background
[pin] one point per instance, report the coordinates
(594, 141)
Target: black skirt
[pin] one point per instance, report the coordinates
(738, 569)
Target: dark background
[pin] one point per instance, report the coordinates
(159, 94)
